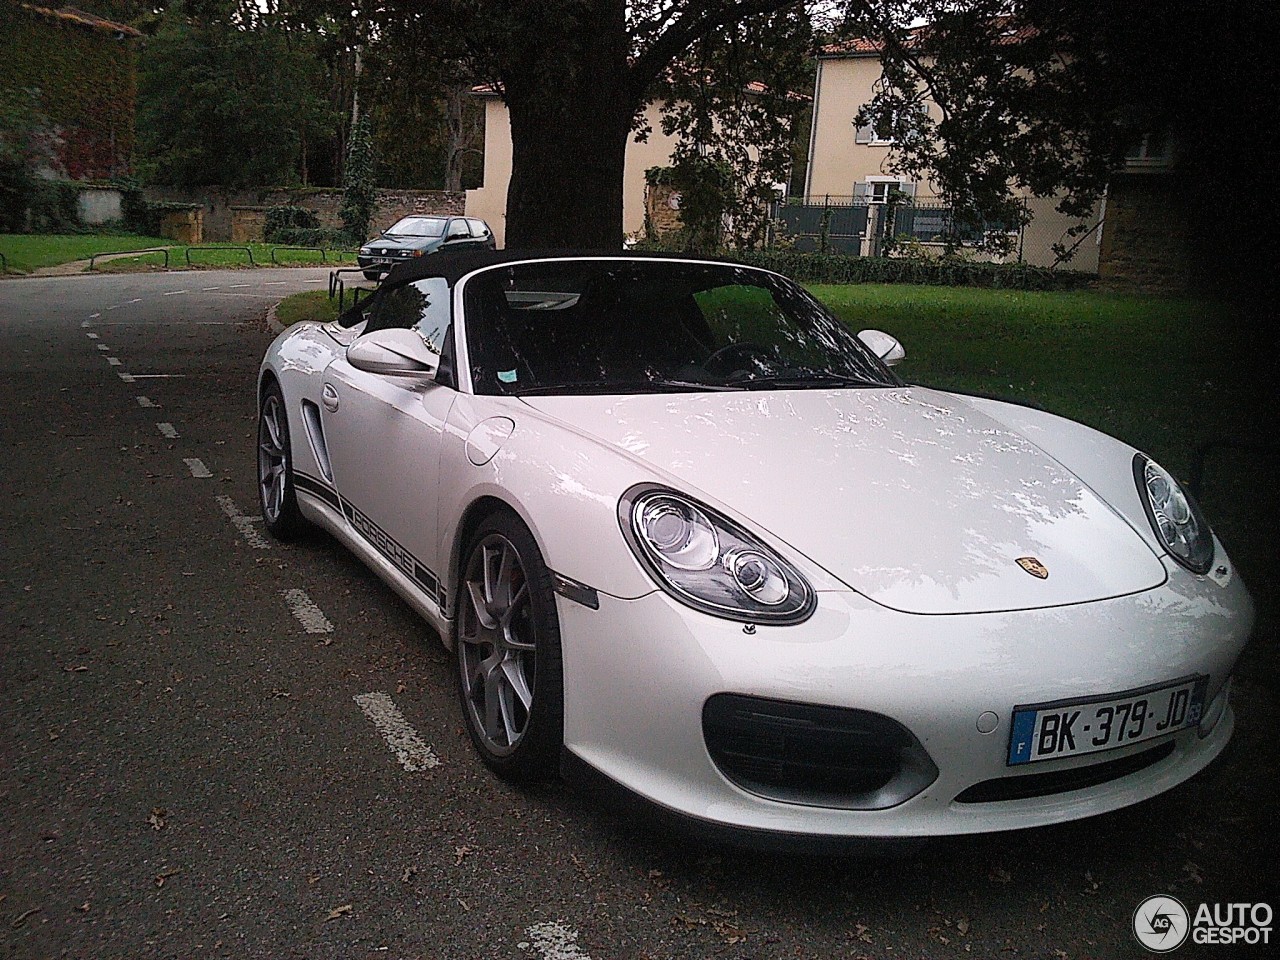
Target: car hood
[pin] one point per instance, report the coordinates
(379, 245)
(910, 496)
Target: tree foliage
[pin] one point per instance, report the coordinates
(359, 193)
(230, 99)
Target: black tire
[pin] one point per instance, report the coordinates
(277, 498)
(373, 275)
(519, 646)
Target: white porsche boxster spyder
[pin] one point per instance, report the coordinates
(687, 534)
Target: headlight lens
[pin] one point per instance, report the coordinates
(365, 250)
(1174, 516)
(710, 563)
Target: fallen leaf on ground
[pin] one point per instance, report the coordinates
(157, 818)
(459, 853)
(21, 918)
(164, 875)
(336, 912)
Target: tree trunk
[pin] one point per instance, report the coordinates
(571, 105)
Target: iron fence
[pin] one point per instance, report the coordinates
(851, 225)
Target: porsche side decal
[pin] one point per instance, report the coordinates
(386, 545)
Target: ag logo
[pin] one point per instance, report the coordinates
(1161, 924)
(1034, 567)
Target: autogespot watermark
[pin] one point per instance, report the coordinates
(1163, 924)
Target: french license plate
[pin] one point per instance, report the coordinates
(1068, 728)
(382, 260)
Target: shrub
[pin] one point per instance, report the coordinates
(287, 218)
(54, 207)
(943, 271)
(313, 237)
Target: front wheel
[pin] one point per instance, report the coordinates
(510, 678)
(276, 495)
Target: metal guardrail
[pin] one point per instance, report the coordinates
(319, 250)
(1195, 482)
(338, 287)
(245, 249)
(126, 253)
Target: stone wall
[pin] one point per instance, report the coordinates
(98, 205)
(184, 226)
(1146, 235)
(221, 206)
(662, 209)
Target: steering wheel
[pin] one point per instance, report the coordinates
(732, 357)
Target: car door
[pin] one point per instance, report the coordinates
(457, 235)
(384, 434)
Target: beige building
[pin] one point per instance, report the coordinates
(848, 163)
(489, 202)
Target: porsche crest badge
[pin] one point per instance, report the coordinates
(1034, 567)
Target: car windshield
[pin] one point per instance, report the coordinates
(417, 227)
(645, 326)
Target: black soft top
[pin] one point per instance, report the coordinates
(454, 265)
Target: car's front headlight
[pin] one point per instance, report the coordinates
(365, 251)
(710, 563)
(1176, 519)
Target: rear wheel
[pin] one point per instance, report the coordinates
(276, 495)
(373, 275)
(510, 677)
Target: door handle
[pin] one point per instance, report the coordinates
(329, 397)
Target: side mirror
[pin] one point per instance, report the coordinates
(398, 352)
(887, 348)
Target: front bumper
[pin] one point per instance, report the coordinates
(638, 674)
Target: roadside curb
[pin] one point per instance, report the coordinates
(274, 325)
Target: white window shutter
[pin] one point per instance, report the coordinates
(860, 191)
(907, 188)
(862, 135)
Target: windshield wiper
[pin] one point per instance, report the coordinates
(803, 380)
(625, 387)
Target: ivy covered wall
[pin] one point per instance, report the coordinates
(86, 80)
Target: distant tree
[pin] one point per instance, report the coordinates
(229, 100)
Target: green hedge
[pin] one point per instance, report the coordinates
(54, 207)
(282, 218)
(839, 268)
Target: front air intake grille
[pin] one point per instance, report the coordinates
(1060, 781)
(814, 755)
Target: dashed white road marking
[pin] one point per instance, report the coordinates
(207, 289)
(274, 283)
(197, 467)
(92, 336)
(168, 430)
(114, 361)
(414, 753)
(235, 286)
(314, 280)
(174, 293)
(245, 525)
(306, 612)
(126, 377)
(94, 316)
(134, 300)
(158, 376)
(554, 940)
(147, 402)
(103, 347)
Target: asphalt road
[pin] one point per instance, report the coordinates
(185, 770)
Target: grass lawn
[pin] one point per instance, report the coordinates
(27, 252)
(224, 255)
(1165, 375)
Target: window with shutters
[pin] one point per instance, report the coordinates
(879, 189)
(869, 136)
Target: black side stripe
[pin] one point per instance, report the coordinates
(316, 488)
(385, 544)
